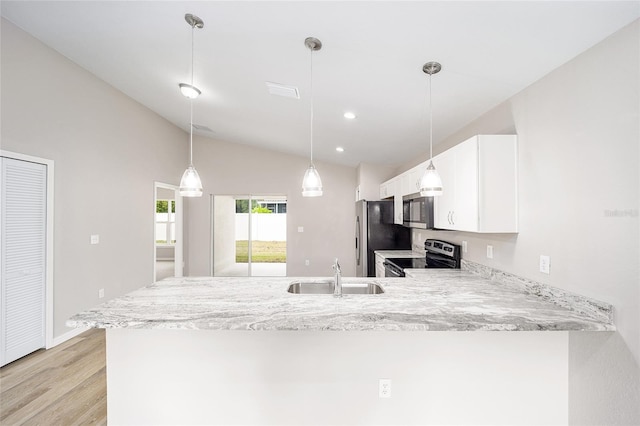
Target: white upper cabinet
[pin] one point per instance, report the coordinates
(411, 179)
(393, 188)
(386, 189)
(480, 185)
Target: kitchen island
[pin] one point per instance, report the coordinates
(245, 351)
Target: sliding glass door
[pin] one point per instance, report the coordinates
(249, 235)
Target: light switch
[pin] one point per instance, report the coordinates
(545, 264)
(300, 228)
(95, 239)
(490, 252)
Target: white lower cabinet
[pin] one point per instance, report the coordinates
(480, 185)
(379, 266)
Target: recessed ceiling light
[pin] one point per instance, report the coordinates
(349, 115)
(340, 149)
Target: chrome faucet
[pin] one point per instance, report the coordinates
(337, 279)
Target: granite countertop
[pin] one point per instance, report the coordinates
(440, 300)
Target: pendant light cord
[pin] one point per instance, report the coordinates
(311, 126)
(191, 134)
(430, 121)
(193, 27)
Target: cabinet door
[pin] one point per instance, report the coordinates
(379, 268)
(444, 204)
(465, 211)
(397, 203)
(416, 176)
(384, 190)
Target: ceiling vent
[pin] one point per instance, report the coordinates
(282, 90)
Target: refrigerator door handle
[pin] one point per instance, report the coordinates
(357, 240)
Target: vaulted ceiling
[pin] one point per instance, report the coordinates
(370, 63)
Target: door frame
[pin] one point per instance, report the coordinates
(178, 254)
(48, 293)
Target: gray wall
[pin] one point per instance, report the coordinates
(369, 177)
(108, 151)
(328, 221)
(579, 135)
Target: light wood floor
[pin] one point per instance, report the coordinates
(66, 385)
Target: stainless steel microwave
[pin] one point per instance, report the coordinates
(417, 212)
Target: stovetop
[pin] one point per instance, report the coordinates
(408, 262)
(413, 263)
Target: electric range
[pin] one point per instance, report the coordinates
(438, 254)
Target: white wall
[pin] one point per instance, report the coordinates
(224, 244)
(579, 136)
(369, 177)
(328, 221)
(108, 151)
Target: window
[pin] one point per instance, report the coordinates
(166, 222)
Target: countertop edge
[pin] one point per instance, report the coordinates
(595, 309)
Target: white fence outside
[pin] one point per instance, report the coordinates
(264, 226)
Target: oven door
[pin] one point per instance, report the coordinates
(392, 271)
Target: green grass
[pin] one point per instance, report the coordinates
(262, 251)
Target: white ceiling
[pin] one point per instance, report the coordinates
(371, 62)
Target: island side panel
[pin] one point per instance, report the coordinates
(157, 376)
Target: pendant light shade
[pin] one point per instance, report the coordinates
(190, 184)
(311, 183)
(430, 183)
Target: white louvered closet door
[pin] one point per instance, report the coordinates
(23, 260)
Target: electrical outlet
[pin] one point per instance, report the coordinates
(101, 293)
(300, 228)
(464, 246)
(306, 262)
(490, 252)
(384, 388)
(545, 264)
(95, 239)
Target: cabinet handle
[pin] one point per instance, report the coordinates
(449, 217)
(453, 221)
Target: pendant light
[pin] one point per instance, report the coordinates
(431, 184)
(190, 184)
(311, 183)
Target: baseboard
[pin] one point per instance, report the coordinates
(66, 336)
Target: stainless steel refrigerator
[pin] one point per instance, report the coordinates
(375, 230)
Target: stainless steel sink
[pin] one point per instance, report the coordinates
(326, 287)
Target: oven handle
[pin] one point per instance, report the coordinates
(391, 270)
